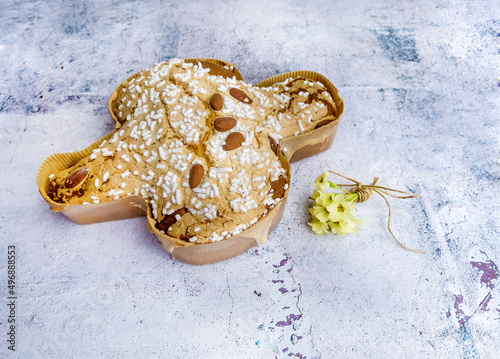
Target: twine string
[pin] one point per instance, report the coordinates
(365, 191)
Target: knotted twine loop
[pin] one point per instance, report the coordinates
(365, 191)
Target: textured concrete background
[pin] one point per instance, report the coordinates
(421, 90)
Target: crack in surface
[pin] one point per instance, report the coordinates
(230, 319)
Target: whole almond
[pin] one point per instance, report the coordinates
(76, 177)
(217, 70)
(185, 238)
(223, 124)
(322, 123)
(170, 219)
(240, 95)
(196, 175)
(216, 102)
(278, 187)
(233, 141)
(273, 144)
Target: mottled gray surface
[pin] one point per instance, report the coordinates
(420, 84)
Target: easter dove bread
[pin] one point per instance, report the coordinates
(201, 151)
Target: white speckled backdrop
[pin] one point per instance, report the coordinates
(421, 90)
